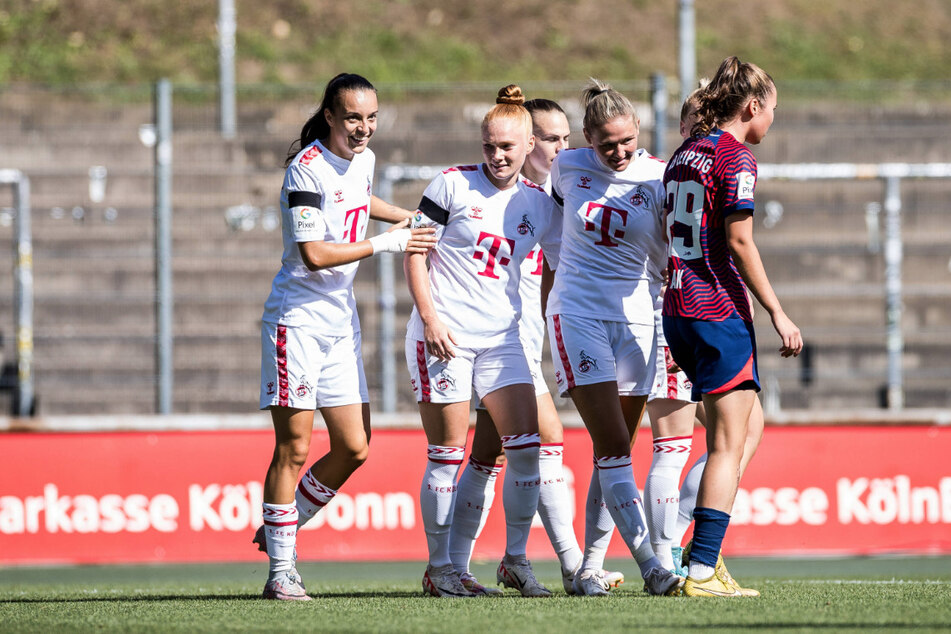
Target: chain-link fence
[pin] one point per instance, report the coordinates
(87, 153)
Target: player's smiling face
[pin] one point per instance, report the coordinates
(352, 122)
(615, 141)
(505, 144)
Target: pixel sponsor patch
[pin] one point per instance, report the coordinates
(745, 185)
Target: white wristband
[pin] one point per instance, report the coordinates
(391, 241)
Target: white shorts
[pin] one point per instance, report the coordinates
(673, 385)
(586, 351)
(484, 369)
(304, 369)
(538, 380)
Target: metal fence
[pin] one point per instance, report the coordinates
(90, 158)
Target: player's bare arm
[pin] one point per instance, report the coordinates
(739, 231)
(439, 340)
(387, 212)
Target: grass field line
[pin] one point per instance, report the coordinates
(865, 582)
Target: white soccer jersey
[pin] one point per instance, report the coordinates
(484, 235)
(612, 250)
(326, 198)
(531, 326)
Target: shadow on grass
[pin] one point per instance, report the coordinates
(211, 597)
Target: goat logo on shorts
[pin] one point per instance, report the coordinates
(445, 382)
(303, 388)
(640, 197)
(525, 226)
(584, 182)
(586, 363)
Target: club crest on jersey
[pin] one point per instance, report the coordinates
(586, 363)
(641, 197)
(585, 182)
(338, 196)
(304, 387)
(525, 226)
(445, 381)
(745, 185)
(475, 212)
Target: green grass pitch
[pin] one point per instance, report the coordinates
(831, 595)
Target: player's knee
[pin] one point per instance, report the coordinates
(293, 452)
(354, 454)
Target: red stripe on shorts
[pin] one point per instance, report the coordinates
(744, 375)
(671, 375)
(424, 388)
(283, 391)
(562, 353)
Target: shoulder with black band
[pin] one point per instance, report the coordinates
(303, 199)
(433, 211)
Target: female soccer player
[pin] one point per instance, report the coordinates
(600, 317)
(476, 488)
(710, 183)
(464, 333)
(672, 411)
(310, 333)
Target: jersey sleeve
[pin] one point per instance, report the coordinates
(739, 181)
(304, 204)
(433, 209)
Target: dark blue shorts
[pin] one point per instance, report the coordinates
(717, 356)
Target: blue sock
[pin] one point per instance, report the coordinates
(708, 531)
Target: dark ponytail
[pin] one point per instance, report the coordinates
(734, 84)
(316, 127)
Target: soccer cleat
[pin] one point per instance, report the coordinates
(590, 583)
(517, 573)
(612, 579)
(662, 582)
(472, 585)
(285, 585)
(677, 553)
(721, 569)
(568, 580)
(444, 581)
(714, 586)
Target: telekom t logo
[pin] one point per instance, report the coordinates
(605, 228)
(350, 226)
(491, 256)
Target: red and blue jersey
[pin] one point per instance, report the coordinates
(707, 179)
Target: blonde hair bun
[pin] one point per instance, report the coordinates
(510, 95)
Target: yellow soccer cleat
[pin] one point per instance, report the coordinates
(721, 570)
(714, 586)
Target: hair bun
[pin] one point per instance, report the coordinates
(511, 95)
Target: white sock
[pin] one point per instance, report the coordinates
(555, 508)
(475, 493)
(598, 525)
(520, 489)
(699, 571)
(662, 495)
(688, 498)
(311, 496)
(280, 532)
(627, 509)
(436, 496)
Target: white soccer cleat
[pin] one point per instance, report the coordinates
(568, 580)
(472, 585)
(516, 572)
(612, 579)
(285, 585)
(444, 581)
(662, 582)
(590, 583)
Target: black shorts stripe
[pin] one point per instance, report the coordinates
(433, 211)
(303, 199)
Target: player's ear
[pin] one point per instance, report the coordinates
(587, 135)
(329, 117)
(531, 143)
